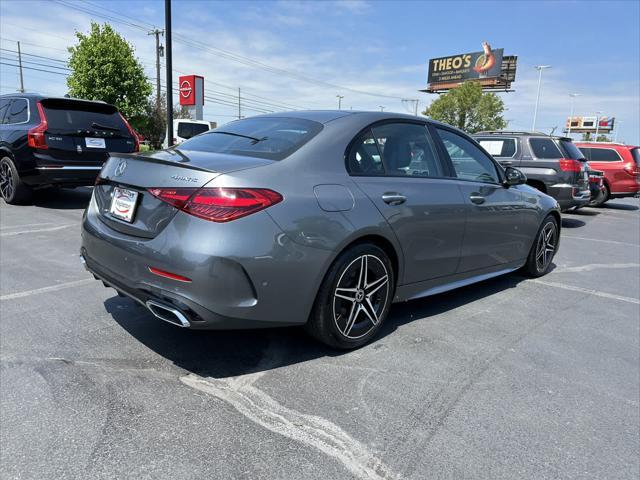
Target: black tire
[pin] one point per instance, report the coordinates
(602, 198)
(12, 189)
(544, 248)
(342, 316)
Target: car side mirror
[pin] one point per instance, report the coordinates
(513, 176)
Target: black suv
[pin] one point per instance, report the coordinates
(48, 141)
(553, 165)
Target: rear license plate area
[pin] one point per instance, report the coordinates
(123, 204)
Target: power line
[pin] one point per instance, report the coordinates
(32, 68)
(225, 53)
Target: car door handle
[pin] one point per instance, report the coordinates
(506, 163)
(477, 199)
(393, 198)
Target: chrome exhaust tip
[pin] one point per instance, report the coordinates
(168, 314)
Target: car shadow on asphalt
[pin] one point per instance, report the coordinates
(620, 206)
(572, 223)
(223, 354)
(62, 198)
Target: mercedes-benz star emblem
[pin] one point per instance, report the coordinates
(122, 166)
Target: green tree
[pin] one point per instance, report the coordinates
(105, 68)
(468, 108)
(152, 125)
(588, 137)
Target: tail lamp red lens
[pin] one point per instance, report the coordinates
(218, 204)
(632, 169)
(570, 165)
(134, 134)
(35, 136)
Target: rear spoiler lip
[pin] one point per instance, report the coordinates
(182, 164)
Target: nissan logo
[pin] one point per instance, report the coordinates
(122, 166)
(185, 89)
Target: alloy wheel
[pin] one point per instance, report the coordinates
(6, 180)
(546, 246)
(360, 296)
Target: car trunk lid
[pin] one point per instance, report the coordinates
(171, 168)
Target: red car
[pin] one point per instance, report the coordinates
(620, 164)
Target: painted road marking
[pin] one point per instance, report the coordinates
(614, 242)
(21, 232)
(589, 291)
(51, 288)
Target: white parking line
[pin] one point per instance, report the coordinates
(614, 242)
(28, 225)
(21, 232)
(589, 291)
(596, 266)
(51, 288)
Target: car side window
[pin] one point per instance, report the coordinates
(499, 147)
(469, 162)
(18, 111)
(364, 157)
(604, 155)
(407, 150)
(4, 107)
(544, 148)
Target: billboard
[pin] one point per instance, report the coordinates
(466, 66)
(590, 124)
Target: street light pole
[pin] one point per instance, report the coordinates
(381, 108)
(597, 125)
(339, 97)
(573, 96)
(535, 112)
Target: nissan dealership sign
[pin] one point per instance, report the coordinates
(191, 93)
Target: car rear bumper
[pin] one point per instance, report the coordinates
(244, 274)
(569, 196)
(72, 175)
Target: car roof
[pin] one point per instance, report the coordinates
(39, 96)
(605, 145)
(511, 133)
(326, 116)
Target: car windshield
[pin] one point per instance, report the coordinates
(273, 138)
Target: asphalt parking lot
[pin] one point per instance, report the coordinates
(511, 378)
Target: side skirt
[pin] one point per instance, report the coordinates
(451, 282)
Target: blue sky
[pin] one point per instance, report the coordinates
(370, 46)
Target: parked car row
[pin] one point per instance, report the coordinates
(574, 174)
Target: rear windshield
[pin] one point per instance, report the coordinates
(273, 138)
(570, 150)
(74, 116)
(188, 130)
(635, 153)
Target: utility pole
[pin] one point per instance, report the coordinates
(381, 108)
(157, 33)
(239, 105)
(339, 97)
(535, 111)
(167, 29)
(20, 67)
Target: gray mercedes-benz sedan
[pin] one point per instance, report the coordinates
(321, 218)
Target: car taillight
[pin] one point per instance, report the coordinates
(570, 165)
(35, 136)
(136, 140)
(218, 204)
(632, 169)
